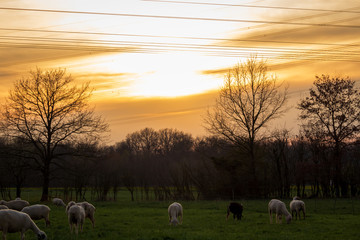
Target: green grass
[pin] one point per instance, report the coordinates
(326, 219)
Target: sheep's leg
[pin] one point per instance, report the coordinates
(22, 235)
(4, 234)
(92, 221)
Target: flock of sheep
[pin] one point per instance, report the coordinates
(279, 208)
(17, 216)
(275, 206)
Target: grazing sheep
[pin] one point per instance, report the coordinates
(279, 208)
(76, 216)
(297, 206)
(3, 207)
(296, 198)
(37, 212)
(15, 204)
(58, 202)
(89, 211)
(71, 203)
(18, 198)
(175, 211)
(12, 221)
(236, 209)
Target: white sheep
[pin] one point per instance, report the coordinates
(12, 221)
(15, 204)
(37, 212)
(175, 211)
(76, 216)
(89, 211)
(296, 206)
(58, 202)
(279, 208)
(3, 207)
(71, 203)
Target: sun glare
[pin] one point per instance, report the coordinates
(127, 75)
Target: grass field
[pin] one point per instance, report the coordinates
(148, 220)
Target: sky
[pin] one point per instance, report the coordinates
(159, 63)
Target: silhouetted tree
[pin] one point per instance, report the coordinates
(278, 154)
(247, 101)
(47, 109)
(332, 111)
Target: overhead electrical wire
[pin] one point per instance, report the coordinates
(177, 37)
(109, 43)
(79, 44)
(155, 47)
(255, 6)
(181, 17)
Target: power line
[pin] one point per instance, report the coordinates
(255, 6)
(110, 43)
(177, 37)
(181, 18)
(141, 47)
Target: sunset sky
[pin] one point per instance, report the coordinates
(159, 63)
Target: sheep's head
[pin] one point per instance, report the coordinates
(288, 218)
(174, 222)
(42, 236)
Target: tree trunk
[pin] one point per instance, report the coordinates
(341, 187)
(254, 184)
(45, 187)
(18, 191)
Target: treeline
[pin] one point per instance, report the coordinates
(170, 164)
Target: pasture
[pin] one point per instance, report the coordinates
(148, 220)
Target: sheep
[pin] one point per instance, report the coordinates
(279, 208)
(175, 211)
(88, 207)
(58, 202)
(297, 206)
(15, 204)
(37, 212)
(89, 211)
(3, 207)
(296, 198)
(76, 216)
(12, 221)
(71, 203)
(236, 209)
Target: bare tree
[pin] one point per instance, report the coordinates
(332, 111)
(48, 110)
(247, 101)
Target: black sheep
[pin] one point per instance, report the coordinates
(236, 209)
